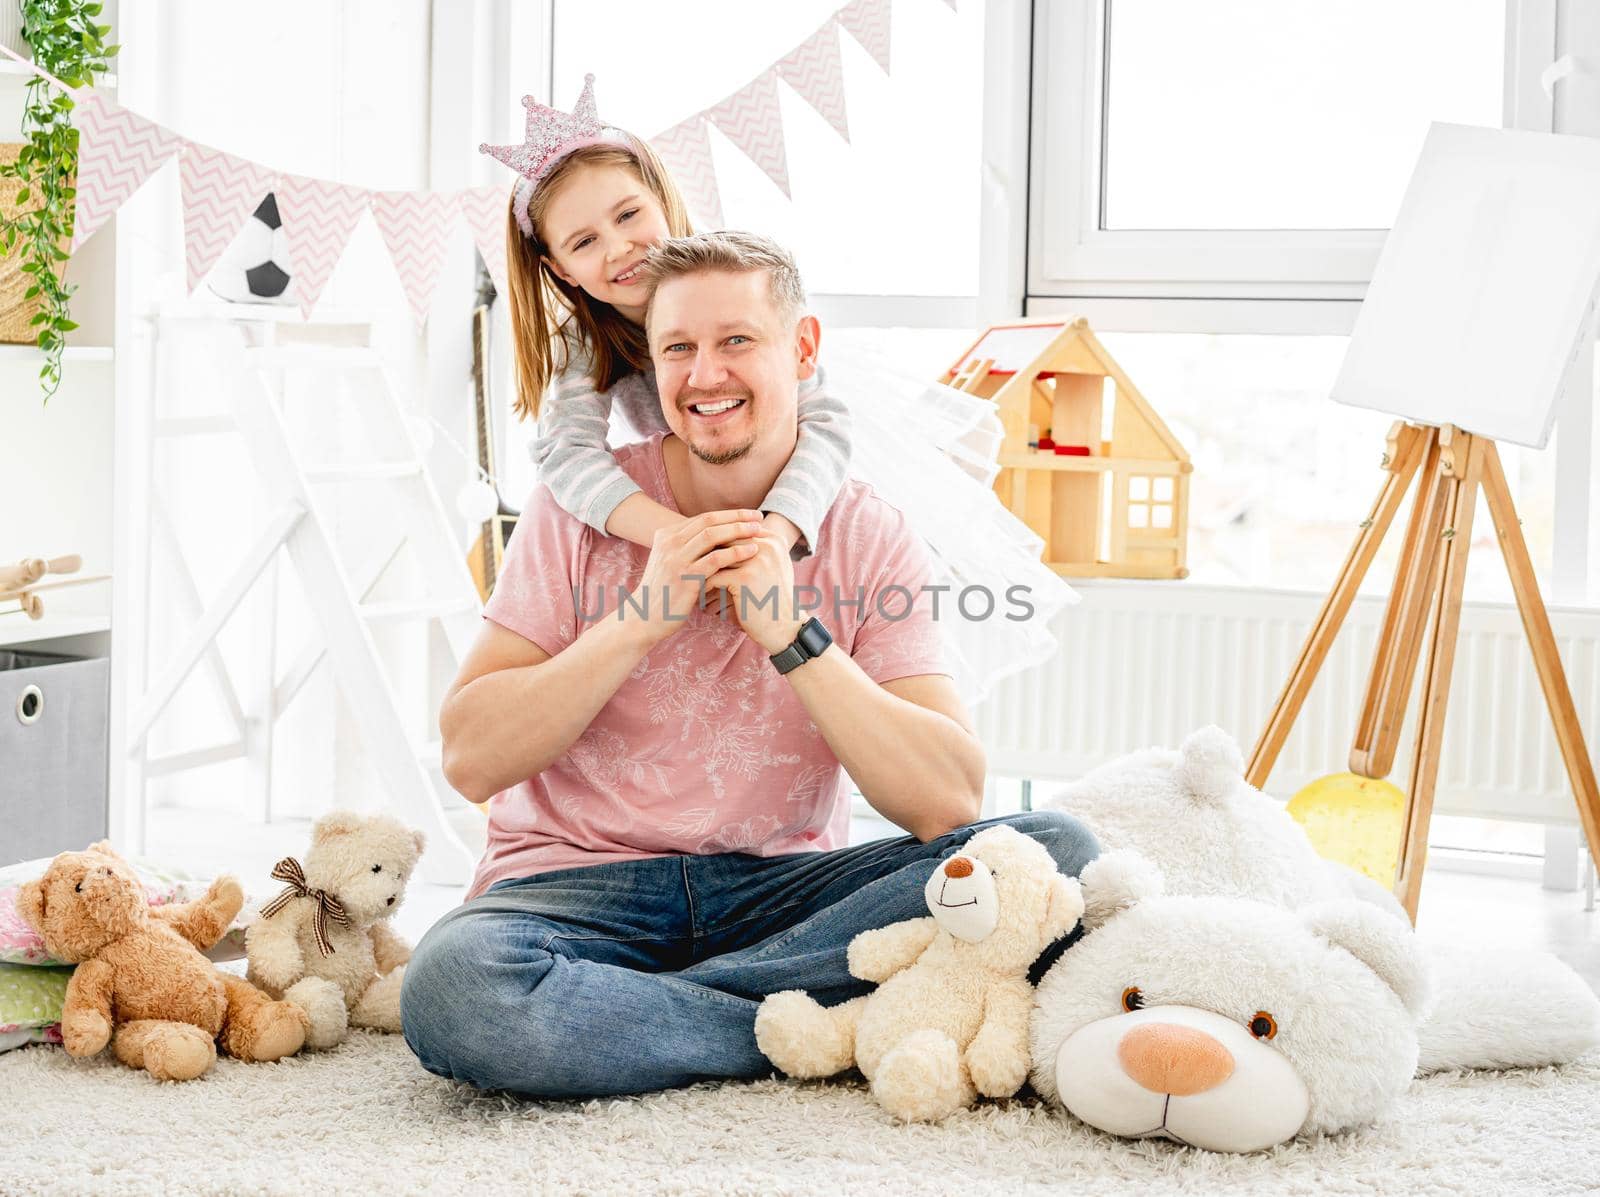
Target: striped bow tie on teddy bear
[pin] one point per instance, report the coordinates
(288, 869)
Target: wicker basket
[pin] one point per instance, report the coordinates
(15, 312)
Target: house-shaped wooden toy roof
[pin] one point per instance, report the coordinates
(1086, 463)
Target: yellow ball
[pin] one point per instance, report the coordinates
(1354, 820)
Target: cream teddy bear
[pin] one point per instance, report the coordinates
(325, 943)
(949, 1019)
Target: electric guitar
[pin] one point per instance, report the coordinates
(487, 554)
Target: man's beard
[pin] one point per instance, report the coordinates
(719, 456)
(723, 456)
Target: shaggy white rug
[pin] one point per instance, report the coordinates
(366, 1118)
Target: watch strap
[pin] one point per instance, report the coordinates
(810, 642)
(789, 658)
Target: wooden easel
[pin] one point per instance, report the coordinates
(1425, 604)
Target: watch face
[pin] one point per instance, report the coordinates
(814, 638)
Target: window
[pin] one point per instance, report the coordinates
(1284, 114)
(1149, 502)
(892, 213)
(1249, 150)
(1211, 171)
(1282, 476)
(884, 227)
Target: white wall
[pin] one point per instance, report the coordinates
(336, 91)
(40, 445)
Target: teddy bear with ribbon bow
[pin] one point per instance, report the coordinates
(325, 943)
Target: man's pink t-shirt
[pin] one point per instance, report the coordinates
(705, 748)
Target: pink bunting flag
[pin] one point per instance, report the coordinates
(318, 218)
(415, 226)
(868, 23)
(685, 150)
(117, 151)
(752, 121)
(218, 191)
(816, 72)
(484, 210)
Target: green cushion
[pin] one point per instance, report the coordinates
(31, 996)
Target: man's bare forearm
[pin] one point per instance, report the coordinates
(509, 725)
(918, 768)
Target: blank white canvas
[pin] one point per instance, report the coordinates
(1484, 286)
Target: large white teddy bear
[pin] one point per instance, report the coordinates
(1261, 992)
(1209, 831)
(1226, 1023)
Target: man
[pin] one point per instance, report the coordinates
(666, 836)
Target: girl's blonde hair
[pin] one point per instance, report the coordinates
(543, 308)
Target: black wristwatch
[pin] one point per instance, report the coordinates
(811, 641)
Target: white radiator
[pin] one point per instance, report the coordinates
(1145, 663)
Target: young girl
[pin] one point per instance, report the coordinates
(590, 203)
(577, 230)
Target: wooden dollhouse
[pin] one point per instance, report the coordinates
(1086, 462)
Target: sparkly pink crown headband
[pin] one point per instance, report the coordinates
(551, 135)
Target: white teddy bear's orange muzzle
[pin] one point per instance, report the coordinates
(1181, 1073)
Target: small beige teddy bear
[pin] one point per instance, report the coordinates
(325, 944)
(949, 1019)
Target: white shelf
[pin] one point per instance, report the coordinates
(207, 307)
(8, 67)
(33, 355)
(19, 629)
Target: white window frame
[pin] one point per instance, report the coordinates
(1043, 65)
(1265, 281)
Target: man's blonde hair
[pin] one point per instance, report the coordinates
(731, 253)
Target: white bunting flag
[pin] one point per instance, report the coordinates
(117, 151)
(816, 72)
(415, 226)
(685, 150)
(218, 191)
(752, 121)
(484, 210)
(318, 218)
(868, 23)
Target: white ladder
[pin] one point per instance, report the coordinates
(338, 595)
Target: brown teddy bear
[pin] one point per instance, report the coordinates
(325, 943)
(141, 983)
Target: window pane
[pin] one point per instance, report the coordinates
(892, 212)
(1283, 475)
(1286, 114)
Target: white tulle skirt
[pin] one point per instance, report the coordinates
(930, 450)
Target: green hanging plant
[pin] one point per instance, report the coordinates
(68, 44)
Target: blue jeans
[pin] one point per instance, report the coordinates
(641, 975)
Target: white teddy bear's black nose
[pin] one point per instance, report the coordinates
(390, 902)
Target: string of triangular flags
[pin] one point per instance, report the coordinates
(750, 117)
(118, 150)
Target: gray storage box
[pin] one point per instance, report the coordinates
(54, 727)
